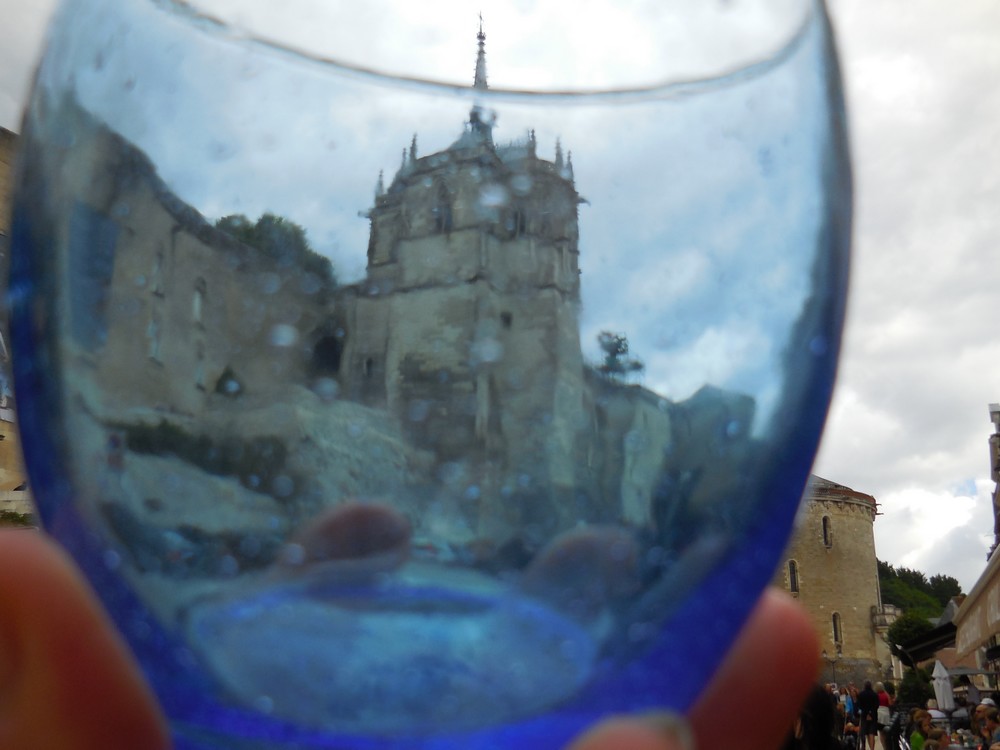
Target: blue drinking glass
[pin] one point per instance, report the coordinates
(388, 402)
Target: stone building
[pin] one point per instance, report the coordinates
(978, 619)
(831, 568)
(456, 362)
(12, 477)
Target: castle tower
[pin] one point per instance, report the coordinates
(466, 326)
(830, 567)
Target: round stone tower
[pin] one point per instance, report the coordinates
(830, 567)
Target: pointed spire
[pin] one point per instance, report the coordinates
(403, 164)
(380, 185)
(413, 148)
(480, 122)
(568, 172)
(559, 156)
(480, 80)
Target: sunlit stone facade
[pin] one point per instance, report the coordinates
(12, 477)
(831, 568)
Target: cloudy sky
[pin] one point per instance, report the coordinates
(910, 421)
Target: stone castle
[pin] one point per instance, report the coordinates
(13, 496)
(455, 365)
(830, 567)
(450, 377)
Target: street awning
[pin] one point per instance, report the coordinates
(925, 646)
(979, 616)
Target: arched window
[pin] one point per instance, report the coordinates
(838, 633)
(827, 532)
(793, 576)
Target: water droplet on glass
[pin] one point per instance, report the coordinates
(326, 388)
(293, 554)
(734, 428)
(250, 546)
(310, 284)
(493, 195)
(472, 492)
(283, 486)
(487, 350)
(521, 184)
(270, 282)
(284, 335)
(112, 560)
(354, 430)
(418, 410)
(228, 566)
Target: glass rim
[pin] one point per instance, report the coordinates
(669, 86)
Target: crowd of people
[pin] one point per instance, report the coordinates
(846, 718)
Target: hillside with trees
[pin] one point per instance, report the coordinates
(915, 593)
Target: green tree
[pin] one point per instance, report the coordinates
(905, 629)
(281, 240)
(911, 591)
(943, 588)
(915, 688)
(616, 362)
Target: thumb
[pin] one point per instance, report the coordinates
(656, 731)
(67, 681)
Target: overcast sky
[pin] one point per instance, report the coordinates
(910, 420)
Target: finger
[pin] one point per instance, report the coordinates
(659, 732)
(776, 657)
(67, 681)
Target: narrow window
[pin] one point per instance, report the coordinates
(153, 338)
(793, 576)
(827, 532)
(157, 275)
(368, 366)
(506, 319)
(441, 212)
(198, 302)
(199, 366)
(838, 635)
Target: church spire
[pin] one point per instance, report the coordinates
(480, 80)
(481, 122)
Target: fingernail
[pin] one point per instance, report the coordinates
(672, 727)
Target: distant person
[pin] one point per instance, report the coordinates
(921, 729)
(972, 696)
(937, 739)
(868, 715)
(991, 725)
(815, 726)
(884, 714)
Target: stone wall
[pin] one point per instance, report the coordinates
(12, 473)
(835, 576)
(8, 142)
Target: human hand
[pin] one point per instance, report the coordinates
(775, 658)
(68, 682)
